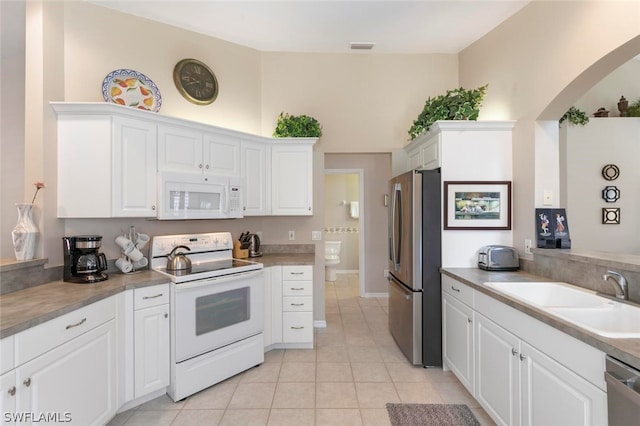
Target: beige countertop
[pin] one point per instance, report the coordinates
(24, 309)
(626, 350)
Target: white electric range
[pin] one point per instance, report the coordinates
(217, 309)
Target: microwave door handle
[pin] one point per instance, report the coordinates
(226, 199)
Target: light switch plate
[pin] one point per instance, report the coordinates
(547, 197)
(316, 235)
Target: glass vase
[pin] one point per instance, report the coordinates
(25, 233)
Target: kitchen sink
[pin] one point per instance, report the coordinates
(550, 294)
(617, 320)
(579, 306)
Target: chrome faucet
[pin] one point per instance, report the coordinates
(621, 284)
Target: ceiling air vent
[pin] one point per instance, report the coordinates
(361, 46)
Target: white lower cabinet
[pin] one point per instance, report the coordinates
(74, 382)
(457, 339)
(522, 371)
(289, 306)
(151, 339)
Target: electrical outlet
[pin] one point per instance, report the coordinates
(527, 246)
(316, 235)
(385, 273)
(292, 235)
(547, 197)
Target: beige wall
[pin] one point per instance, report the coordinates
(365, 102)
(377, 172)
(545, 50)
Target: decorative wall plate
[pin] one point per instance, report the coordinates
(131, 88)
(611, 194)
(611, 216)
(610, 172)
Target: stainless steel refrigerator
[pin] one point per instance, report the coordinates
(415, 313)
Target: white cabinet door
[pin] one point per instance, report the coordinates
(8, 397)
(77, 378)
(221, 155)
(256, 178)
(457, 339)
(554, 395)
(151, 349)
(134, 168)
(179, 149)
(497, 366)
(292, 180)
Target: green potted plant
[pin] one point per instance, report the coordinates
(456, 104)
(575, 116)
(300, 126)
(634, 109)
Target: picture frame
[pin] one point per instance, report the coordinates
(477, 205)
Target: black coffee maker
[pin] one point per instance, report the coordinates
(82, 262)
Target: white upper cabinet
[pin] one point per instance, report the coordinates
(104, 148)
(256, 178)
(106, 164)
(291, 179)
(180, 149)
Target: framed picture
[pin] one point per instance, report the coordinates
(483, 205)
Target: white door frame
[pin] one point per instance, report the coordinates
(361, 221)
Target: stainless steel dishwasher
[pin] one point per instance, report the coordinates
(623, 393)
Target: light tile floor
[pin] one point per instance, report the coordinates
(354, 370)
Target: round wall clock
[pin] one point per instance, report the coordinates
(195, 81)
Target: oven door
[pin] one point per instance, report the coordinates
(216, 312)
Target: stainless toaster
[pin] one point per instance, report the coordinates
(498, 258)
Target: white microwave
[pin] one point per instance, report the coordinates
(193, 196)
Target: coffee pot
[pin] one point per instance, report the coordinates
(82, 262)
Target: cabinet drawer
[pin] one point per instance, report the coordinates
(147, 297)
(297, 272)
(460, 291)
(297, 327)
(6, 354)
(297, 288)
(39, 339)
(297, 304)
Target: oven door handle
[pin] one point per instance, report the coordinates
(216, 280)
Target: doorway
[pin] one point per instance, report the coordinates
(344, 216)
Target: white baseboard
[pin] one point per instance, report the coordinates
(382, 295)
(319, 324)
(347, 271)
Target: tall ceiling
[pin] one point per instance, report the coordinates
(329, 26)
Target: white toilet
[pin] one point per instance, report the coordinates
(331, 259)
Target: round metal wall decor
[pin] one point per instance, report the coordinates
(611, 194)
(610, 172)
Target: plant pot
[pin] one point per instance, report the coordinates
(25, 233)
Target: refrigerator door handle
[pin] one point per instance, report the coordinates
(407, 294)
(396, 226)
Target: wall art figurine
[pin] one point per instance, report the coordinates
(552, 229)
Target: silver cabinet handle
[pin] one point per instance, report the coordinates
(297, 288)
(166, 315)
(514, 352)
(523, 357)
(82, 321)
(199, 166)
(309, 208)
(297, 273)
(297, 304)
(152, 297)
(12, 390)
(27, 382)
(153, 207)
(297, 328)
(469, 320)
(455, 289)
